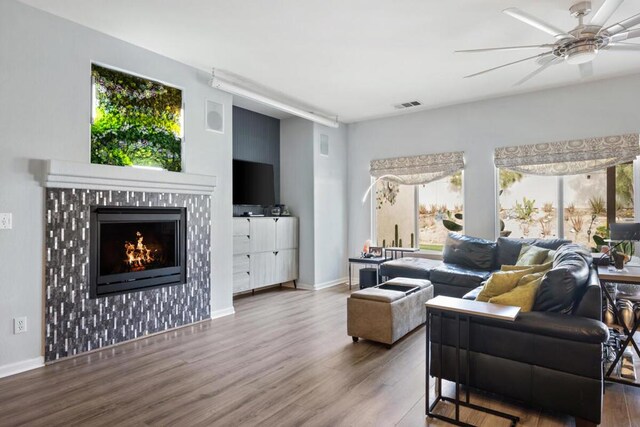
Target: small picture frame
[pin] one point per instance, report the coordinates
(376, 251)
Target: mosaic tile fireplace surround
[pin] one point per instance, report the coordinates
(75, 322)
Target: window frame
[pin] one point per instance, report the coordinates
(416, 207)
(610, 197)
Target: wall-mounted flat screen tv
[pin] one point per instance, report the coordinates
(253, 183)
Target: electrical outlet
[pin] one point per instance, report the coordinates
(5, 221)
(19, 325)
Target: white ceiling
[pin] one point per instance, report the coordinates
(351, 58)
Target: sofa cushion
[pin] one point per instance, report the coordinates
(565, 281)
(473, 294)
(414, 268)
(508, 248)
(468, 251)
(458, 275)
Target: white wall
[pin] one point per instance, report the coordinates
(330, 206)
(297, 187)
(45, 101)
(606, 107)
(315, 189)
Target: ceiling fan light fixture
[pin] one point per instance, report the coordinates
(581, 53)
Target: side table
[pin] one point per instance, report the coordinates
(460, 310)
(368, 261)
(399, 252)
(630, 275)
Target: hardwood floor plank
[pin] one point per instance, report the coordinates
(283, 359)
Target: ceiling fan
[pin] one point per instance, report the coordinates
(578, 46)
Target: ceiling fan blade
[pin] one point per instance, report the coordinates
(537, 23)
(586, 70)
(555, 60)
(490, 49)
(510, 63)
(623, 47)
(603, 14)
(623, 25)
(631, 34)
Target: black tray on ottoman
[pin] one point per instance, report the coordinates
(407, 289)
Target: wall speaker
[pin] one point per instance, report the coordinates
(324, 145)
(214, 116)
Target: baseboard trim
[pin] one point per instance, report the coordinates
(223, 312)
(324, 285)
(22, 366)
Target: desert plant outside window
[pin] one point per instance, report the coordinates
(571, 189)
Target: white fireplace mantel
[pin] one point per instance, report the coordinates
(65, 174)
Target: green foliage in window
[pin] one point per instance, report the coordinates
(136, 121)
(624, 185)
(508, 178)
(525, 210)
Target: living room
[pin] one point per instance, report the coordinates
(212, 346)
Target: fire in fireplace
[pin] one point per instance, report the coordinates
(134, 248)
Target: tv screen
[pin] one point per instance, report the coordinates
(253, 183)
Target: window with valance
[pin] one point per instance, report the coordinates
(571, 189)
(413, 195)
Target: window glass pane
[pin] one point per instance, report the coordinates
(395, 214)
(585, 206)
(439, 201)
(528, 205)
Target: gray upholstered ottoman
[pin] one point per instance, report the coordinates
(387, 315)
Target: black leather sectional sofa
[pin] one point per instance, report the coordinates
(549, 358)
(467, 262)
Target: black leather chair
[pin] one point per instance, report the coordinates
(550, 359)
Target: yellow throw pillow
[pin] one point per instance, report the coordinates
(522, 296)
(532, 255)
(536, 268)
(531, 277)
(501, 282)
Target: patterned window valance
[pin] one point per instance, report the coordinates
(417, 169)
(569, 157)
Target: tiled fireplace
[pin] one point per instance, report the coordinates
(92, 299)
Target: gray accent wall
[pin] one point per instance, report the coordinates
(76, 323)
(256, 138)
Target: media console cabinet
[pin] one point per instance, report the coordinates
(265, 252)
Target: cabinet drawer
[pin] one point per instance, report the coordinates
(241, 263)
(241, 282)
(241, 244)
(241, 226)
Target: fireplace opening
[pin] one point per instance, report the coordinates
(136, 248)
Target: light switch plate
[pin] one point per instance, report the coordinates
(5, 221)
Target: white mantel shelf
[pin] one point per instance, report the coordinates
(64, 174)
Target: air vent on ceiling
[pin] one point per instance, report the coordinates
(409, 104)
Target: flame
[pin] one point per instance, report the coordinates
(138, 255)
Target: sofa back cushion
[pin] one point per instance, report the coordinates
(508, 248)
(467, 251)
(565, 281)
